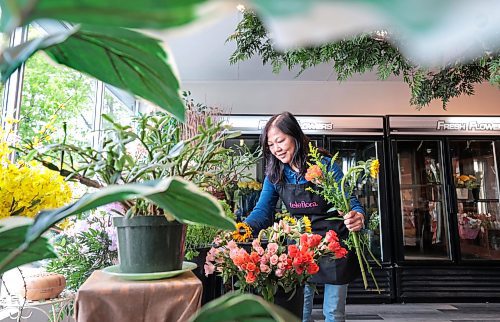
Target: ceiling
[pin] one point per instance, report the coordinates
(202, 54)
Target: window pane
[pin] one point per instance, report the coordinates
(52, 96)
(118, 105)
(474, 168)
(423, 209)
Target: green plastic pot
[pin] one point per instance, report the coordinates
(148, 244)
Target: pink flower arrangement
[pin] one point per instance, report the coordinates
(287, 261)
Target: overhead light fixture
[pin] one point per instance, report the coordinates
(240, 7)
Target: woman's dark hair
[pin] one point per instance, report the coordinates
(286, 123)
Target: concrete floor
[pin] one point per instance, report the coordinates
(442, 312)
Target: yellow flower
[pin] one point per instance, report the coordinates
(11, 120)
(27, 188)
(65, 224)
(242, 233)
(290, 220)
(463, 178)
(307, 224)
(374, 168)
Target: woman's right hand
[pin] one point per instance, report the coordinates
(353, 220)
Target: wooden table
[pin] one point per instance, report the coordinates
(108, 298)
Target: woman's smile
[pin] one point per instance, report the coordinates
(281, 145)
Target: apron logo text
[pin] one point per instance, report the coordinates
(303, 204)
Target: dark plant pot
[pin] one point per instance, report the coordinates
(295, 305)
(148, 244)
(212, 284)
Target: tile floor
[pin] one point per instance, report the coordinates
(435, 312)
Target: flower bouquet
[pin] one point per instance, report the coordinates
(338, 193)
(287, 261)
(467, 181)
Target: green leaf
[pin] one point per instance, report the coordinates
(125, 59)
(117, 13)
(176, 150)
(242, 307)
(181, 198)
(12, 232)
(11, 58)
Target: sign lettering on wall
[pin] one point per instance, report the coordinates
(443, 125)
(305, 125)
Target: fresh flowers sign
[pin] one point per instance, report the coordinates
(281, 257)
(338, 194)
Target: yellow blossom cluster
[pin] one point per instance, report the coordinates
(250, 185)
(27, 188)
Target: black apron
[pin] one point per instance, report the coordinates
(300, 202)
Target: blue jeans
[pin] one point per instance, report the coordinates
(333, 303)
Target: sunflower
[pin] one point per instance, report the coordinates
(374, 167)
(242, 233)
(290, 220)
(307, 224)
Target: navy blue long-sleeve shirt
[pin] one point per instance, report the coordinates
(262, 215)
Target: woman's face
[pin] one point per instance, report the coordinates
(281, 145)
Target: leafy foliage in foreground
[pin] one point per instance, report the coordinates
(364, 53)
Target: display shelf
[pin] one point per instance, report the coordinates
(420, 185)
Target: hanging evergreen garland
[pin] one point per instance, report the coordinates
(364, 53)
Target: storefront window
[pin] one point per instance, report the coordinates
(423, 209)
(118, 105)
(475, 179)
(54, 96)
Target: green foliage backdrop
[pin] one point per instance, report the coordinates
(364, 53)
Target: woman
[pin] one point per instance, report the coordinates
(285, 149)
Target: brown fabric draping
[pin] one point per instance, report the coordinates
(105, 298)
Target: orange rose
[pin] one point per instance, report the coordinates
(314, 174)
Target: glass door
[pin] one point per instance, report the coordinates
(423, 211)
(474, 168)
(350, 152)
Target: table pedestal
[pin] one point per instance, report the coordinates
(108, 298)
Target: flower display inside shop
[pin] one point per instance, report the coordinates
(337, 193)
(467, 181)
(281, 257)
(83, 246)
(242, 233)
(246, 187)
(28, 187)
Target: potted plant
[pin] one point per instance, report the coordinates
(228, 169)
(149, 149)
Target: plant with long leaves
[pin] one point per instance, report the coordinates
(337, 193)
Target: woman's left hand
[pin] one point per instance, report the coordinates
(354, 221)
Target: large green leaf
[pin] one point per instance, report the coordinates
(125, 59)
(118, 13)
(181, 198)
(12, 232)
(242, 307)
(12, 57)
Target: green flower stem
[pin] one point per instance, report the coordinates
(354, 234)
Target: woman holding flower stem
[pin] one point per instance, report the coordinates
(286, 150)
(337, 194)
